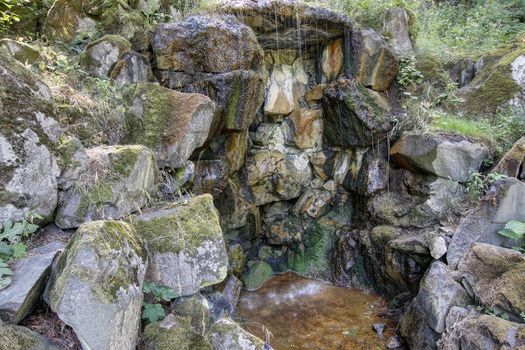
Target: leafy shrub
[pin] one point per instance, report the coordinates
(478, 184)
(515, 230)
(7, 16)
(408, 75)
(154, 312)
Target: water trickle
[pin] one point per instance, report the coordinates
(302, 313)
(298, 21)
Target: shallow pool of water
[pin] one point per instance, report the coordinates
(303, 313)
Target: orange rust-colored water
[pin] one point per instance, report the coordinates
(308, 314)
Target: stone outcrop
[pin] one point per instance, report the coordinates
(447, 156)
(171, 123)
(226, 334)
(97, 287)
(117, 182)
(101, 55)
(185, 245)
(21, 51)
(397, 28)
(173, 331)
(287, 86)
(513, 162)
(131, 67)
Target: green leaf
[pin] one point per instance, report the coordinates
(153, 312)
(516, 226)
(510, 234)
(167, 293)
(19, 250)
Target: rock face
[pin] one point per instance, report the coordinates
(306, 128)
(22, 52)
(226, 335)
(101, 55)
(449, 157)
(171, 123)
(332, 60)
(287, 85)
(377, 62)
(288, 24)
(354, 115)
(505, 202)
(397, 28)
(513, 162)
(274, 176)
(97, 288)
(29, 168)
(425, 318)
(117, 181)
(29, 277)
(468, 329)
(21, 338)
(496, 278)
(186, 246)
(190, 58)
(131, 67)
(173, 331)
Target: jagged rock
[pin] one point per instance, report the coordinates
(306, 128)
(29, 168)
(171, 123)
(447, 156)
(29, 278)
(258, 273)
(22, 52)
(273, 176)
(332, 60)
(220, 307)
(354, 115)
(97, 288)
(73, 160)
(66, 19)
(314, 202)
(131, 67)
(397, 28)
(101, 55)
(232, 290)
(283, 229)
(315, 94)
(323, 163)
(186, 247)
(513, 161)
(235, 150)
(468, 329)
(21, 338)
(496, 278)
(118, 181)
(211, 176)
(195, 308)
(287, 86)
(173, 331)
(232, 205)
(231, 73)
(226, 335)
(289, 24)
(377, 62)
(504, 202)
(437, 245)
(424, 319)
(394, 343)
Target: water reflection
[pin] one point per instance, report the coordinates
(302, 313)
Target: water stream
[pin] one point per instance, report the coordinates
(303, 313)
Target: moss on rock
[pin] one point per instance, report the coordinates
(173, 332)
(259, 273)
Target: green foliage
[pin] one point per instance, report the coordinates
(478, 184)
(154, 312)
(372, 13)
(7, 16)
(11, 245)
(478, 129)
(408, 76)
(515, 230)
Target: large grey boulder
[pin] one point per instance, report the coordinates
(97, 287)
(29, 168)
(28, 281)
(495, 277)
(185, 245)
(131, 67)
(424, 319)
(448, 156)
(225, 334)
(118, 181)
(505, 202)
(469, 329)
(171, 123)
(274, 176)
(397, 28)
(101, 55)
(217, 56)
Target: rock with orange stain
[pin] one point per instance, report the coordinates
(306, 128)
(332, 60)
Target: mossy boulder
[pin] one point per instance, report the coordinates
(376, 62)
(131, 67)
(29, 133)
(97, 286)
(21, 51)
(225, 334)
(513, 162)
(217, 56)
(67, 19)
(500, 82)
(196, 308)
(258, 273)
(101, 55)
(185, 244)
(447, 156)
(171, 123)
(21, 338)
(173, 331)
(354, 115)
(496, 278)
(118, 180)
